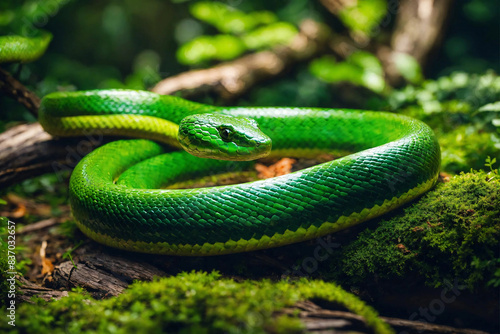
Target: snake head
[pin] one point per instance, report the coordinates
(223, 137)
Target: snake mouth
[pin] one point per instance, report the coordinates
(263, 149)
(252, 149)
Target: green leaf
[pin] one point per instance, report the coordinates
(327, 69)
(363, 16)
(204, 48)
(270, 35)
(495, 106)
(409, 67)
(367, 61)
(228, 19)
(360, 70)
(373, 81)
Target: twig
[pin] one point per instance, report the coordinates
(16, 90)
(38, 225)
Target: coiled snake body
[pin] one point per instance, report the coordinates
(118, 194)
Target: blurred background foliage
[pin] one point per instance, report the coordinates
(132, 44)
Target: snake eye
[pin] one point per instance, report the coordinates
(225, 133)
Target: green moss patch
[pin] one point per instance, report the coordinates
(189, 303)
(452, 232)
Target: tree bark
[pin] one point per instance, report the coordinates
(29, 289)
(28, 151)
(14, 89)
(317, 319)
(420, 26)
(102, 274)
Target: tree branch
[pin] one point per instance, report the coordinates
(233, 78)
(16, 90)
(27, 151)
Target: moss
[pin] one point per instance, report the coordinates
(189, 303)
(465, 148)
(452, 232)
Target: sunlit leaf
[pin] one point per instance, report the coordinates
(364, 15)
(373, 81)
(495, 106)
(228, 19)
(409, 67)
(270, 35)
(357, 70)
(323, 68)
(367, 61)
(203, 48)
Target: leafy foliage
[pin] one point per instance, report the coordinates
(461, 108)
(300, 90)
(129, 44)
(228, 19)
(242, 32)
(25, 18)
(190, 303)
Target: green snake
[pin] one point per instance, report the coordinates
(21, 49)
(119, 193)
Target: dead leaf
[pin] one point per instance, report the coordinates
(282, 167)
(18, 212)
(47, 266)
